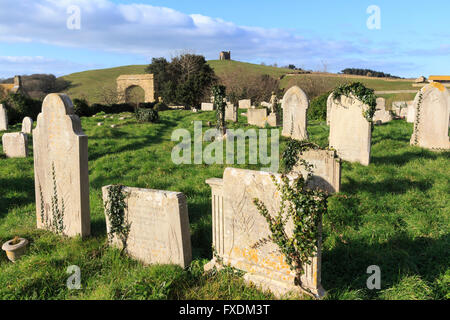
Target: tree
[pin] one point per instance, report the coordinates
(186, 80)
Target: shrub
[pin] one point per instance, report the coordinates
(318, 107)
(161, 106)
(20, 106)
(146, 115)
(81, 108)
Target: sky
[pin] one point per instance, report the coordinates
(404, 38)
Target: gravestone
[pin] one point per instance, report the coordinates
(15, 145)
(3, 118)
(207, 106)
(61, 168)
(238, 227)
(159, 226)
(27, 125)
(381, 104)
(432, 107)
(231, 113)
(257, 117)
(382, 116)
(400, 108)
(411, 113)
(350, 131)
(295, 105)
(326, 169)
(273, 120)
(245, 104)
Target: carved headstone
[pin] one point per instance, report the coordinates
(159, 226)
(432, 107)
(295, 105)
(350, 131)
(3, 118)
(207, 106)
(15, 145)
(27, 125)
(238, 227)
(61, 168)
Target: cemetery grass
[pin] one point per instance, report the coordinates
(394, 213)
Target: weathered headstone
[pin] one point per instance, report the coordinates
(382, 116)
(350, 131)
(432, 107)
(27, 125)
(231, 113)
(257, 117)
(273, 120)
(295, 105)
(61, 168)
(159, 226)
(245, 104)
(326, 169)
(15, 145)
(3, 118)
(238, 227)
(411, 113)
(207, 106)
(381, 104)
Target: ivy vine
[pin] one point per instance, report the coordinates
(291, 154)
(305, 208)
(417, 121)
(360, 91)
(219, 92)
(115, 208)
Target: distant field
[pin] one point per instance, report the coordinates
(87, 84)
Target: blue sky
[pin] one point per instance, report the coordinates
(414, 38)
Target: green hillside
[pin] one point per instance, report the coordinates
(89, 84)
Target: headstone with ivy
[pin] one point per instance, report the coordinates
(27, 125)
(257, 117)
(352, 110)
(241, 234)
(295, 106)
(3, 118)
(151, 226)
(15, 145)
(61, 169)
(245, 104)
(432, 107)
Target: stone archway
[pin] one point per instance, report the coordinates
(145, 81)
(134, 95)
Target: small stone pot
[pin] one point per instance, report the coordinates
(15, 251)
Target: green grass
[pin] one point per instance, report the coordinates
(394, 213)
(87, 84)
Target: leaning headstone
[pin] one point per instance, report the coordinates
(257, 117)
(350, 131)
(207, 106)
(295, 105)
(15, 145)
(61, 169)
(231, 113)
(432, 107)
(158, 226)
(382, 116)
(326, 170)
(245, 104)
(3, 118)
(27, 125)
(238, 227)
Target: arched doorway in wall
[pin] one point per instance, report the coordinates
(134, 95)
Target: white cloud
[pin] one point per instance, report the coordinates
(152, 31)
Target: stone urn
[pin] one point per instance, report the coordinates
(15, 248)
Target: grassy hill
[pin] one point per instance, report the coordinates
(88, 83)
(393, 213)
